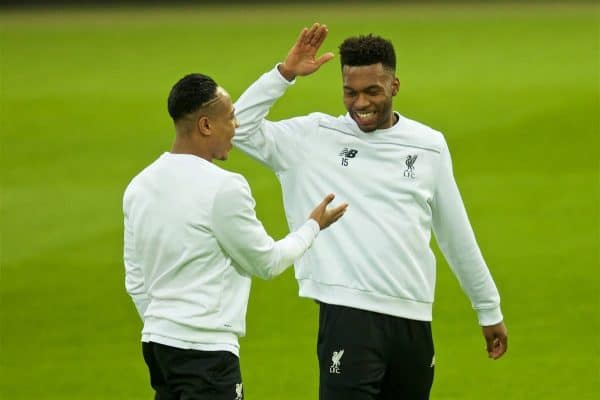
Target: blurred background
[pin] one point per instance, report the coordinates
(513, 85)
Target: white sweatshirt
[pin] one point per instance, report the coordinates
(399, 185)
(192, 241)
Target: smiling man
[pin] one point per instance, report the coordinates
(369, 89)
(374, 277)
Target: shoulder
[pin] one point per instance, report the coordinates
(313, 118)
(424, 134)
(208, 175)
(232, 182)
(137, 184)
(129, 193)
(232, 195)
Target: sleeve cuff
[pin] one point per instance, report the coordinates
(308, 232)
(489, 317)
(280, 77)
(314, 225)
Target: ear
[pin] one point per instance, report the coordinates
(204, 126)
(395, 86)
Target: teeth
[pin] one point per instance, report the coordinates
(364, 115)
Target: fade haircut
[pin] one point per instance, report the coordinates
(368, 50)
(189, 94)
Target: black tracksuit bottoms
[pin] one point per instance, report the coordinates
(364, 355)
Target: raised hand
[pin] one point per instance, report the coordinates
(301, 59)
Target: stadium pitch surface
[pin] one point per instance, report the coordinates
(83, 93)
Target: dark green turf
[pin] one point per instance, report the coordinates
(82, 108)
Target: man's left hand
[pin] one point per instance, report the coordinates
(496, 338)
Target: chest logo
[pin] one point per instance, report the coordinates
(346, 154)
(409, 172)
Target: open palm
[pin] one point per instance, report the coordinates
(301, 59)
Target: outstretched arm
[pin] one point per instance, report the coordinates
(301, 59)
(279, 144)
(242, 236)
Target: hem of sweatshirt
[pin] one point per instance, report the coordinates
(363, 300)
(172, 334)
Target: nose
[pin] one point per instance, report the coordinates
(361, 101)
(236, 123)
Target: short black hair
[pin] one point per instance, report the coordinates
(189, 94)
(368, 50)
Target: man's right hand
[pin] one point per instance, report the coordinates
(301, 60)
(326, 217)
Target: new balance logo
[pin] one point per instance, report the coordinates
(350, 153)
(409, 172)
(336, 359)
(346, 154)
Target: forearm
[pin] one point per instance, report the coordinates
(464, 257)
(256, 136)
(244, 239)
(289, 249)
(457, 241)
(134, 284)
(141, 302)
(254, 104)
(134, 277)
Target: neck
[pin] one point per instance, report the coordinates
(184, 144)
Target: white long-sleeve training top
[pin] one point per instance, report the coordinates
(192, 241)
(399, 185)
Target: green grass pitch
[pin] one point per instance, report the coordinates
(83, 108)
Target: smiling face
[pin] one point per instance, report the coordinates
(368, 93)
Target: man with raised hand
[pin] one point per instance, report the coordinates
(374, 276)
(192, 242)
